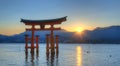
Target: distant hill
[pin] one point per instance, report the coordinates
(109, 34)
(102, 35)
(64, 36)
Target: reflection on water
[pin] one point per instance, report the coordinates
(51, 58)
(32, 57)
(78, 56)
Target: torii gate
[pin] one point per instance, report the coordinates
(49, 38)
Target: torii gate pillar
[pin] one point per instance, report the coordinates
(52, 39)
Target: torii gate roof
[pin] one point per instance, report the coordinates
(44, 22)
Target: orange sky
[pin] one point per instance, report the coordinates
(18, 29)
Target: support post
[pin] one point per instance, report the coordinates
(52, 40)
(26, 41)
(47, 43)
(32, 40)
(37, 43)
(57, 46)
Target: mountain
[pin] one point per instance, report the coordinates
(64, 36)
(98, 35)
(102, 35)
(3, 38)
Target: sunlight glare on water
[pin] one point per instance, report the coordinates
(79, 56)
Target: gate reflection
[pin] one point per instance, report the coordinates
(32, 57)
(52, 59)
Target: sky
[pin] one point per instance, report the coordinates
(82, 14)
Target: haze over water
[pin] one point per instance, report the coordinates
(69, 55)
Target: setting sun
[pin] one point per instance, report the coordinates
(79, 29)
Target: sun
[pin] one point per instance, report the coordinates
(79, 29)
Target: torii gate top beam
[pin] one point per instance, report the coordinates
(44, 22)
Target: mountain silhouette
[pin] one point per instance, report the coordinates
(102, 35)
(98, 35)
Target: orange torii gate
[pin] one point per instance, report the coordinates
(49, 38)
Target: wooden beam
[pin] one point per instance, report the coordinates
(28, 29)
(43, 23)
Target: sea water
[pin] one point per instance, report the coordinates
(13, 54)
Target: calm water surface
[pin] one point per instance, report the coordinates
(69, 55)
